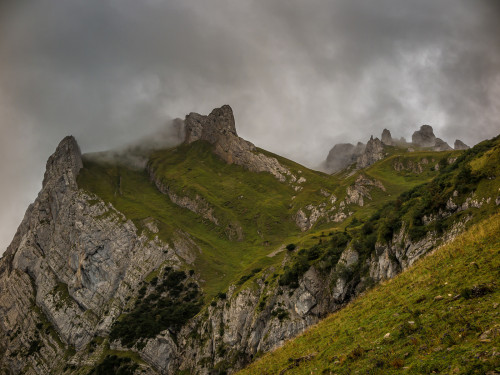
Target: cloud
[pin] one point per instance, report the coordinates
(300, 76)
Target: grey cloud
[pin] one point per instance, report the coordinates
(299, 75)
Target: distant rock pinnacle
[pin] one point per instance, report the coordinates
(386, 137)
(342, 155)
(459, 145)
(374, 151)
(424, 137)
(440, 145)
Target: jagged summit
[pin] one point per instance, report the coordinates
(66, 161)
(218, 128)
(459, 145)
(440, 145)
(343, 155)
(219, 123)
(424, 137)
(373, 152)
(386, 137)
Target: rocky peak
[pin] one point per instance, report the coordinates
(64, 164)
(459, 145)
(424, 137)
(219, 123)
(342, 155)
(440, 145)
(386, 137)
(218, 128)
(374, 151)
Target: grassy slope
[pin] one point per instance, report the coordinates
(444, 336)
(259, 203)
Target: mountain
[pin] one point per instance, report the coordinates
(215, 251)
(347, 156)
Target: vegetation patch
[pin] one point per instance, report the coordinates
(168, 301)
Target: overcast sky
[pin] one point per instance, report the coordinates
(300, 75)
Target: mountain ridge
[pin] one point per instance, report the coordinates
(346, 155)
(197, 264)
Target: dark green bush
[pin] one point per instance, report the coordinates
(171, 304)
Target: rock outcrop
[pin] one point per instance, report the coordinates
(424, 137)
(360, 190)
(218, 128)
(374, 151)
(459, 145)
(386, 137)
(342, 155)
(441, 145)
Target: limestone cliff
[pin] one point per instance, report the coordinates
(67, 274)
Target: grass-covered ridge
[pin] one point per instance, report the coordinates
(441, 316)
(427, 209)
(261, 207)
(258, 203)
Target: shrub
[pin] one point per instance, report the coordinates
(169, 305)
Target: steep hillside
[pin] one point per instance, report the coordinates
(440, 316)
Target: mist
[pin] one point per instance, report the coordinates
(300, 76)
(135, 154)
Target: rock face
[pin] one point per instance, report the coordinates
(459, 145)
(342, 155)
(386, 137)
(360, 190)
(71, 265)
(424, 137)
(374, 151)
(214, 128)
(261, 317)
(218, 128)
